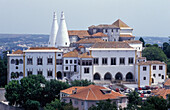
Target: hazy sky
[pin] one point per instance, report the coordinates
(146, 17)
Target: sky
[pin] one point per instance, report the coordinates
(146, 17)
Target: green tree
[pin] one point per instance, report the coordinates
(104, 105)
(154, 103)
(133, 100)
(154, 53)
(81, 82)
(32, 105)
(141, 39)
(148, 45)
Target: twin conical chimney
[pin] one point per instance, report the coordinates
(54, 30)
(62, 39)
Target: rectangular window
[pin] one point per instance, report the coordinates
(162, 76)
(160, 67)
(130, 60)
(95, 61)
(59, 54)
(29, 61)
(66, 61)
(39, 61)
(49, 73)
(29, 73)
(104, 61)
(49, 61)
(75, 68)
(154, 67)
(71, 61)
(75, 61)
(113, 61)
(122, 61)
(144, 68)
(59, 61)
(66, 68)
(86, 70)
(39, 72)
(86, 62)
(76, 102)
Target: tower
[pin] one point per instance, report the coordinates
(62, 39)
(54, 30)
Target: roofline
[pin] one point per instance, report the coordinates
(46, 50)
(14, 54)
(111, 49)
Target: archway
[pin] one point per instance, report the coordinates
(107, 76)
(16, 62)
(59, 75)
(129, 76)
(118, 76)
(96, 76)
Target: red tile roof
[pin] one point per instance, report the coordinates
(111, 45)
(18, 52)
(150, 62)
(167, 82)
(71, 54)
(93, 92)
(119, 23)
(70, 90)
(99, 34)
(162, 92)
(133, 41)
(79, 33)
(89, 41)
(85, 55)
(126, 35)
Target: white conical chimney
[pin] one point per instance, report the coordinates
(54, 30)
(62, 39)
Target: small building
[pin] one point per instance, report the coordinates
(84, 97)
(167, 84)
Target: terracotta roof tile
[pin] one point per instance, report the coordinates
(69, 90)
(111, 45)
(93, 92)
(89, 41)
(162, 92)
(99, 34)
(119, 23)
(167, 82)
(18, 52)
(42, 48)
(150, 62)
(85, 55)
(126, 35)
(141, 58)
(133, 41)
(103, 26)
(79, 33)
(71, 54)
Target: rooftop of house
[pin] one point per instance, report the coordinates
(89, 41)
(167, 82)
(119, 23)
(43, 48)
(71, 89)
(71, 54)
(99, 34)
(161, 92)
(79, 33)
(94, 92)
(133, 41)
(85, 55)
(111, 45)
(141, 57)
(126, 35)
(150, 63)
(17, 52)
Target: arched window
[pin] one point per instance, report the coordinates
(16, 62)
(59, 75)
(152, 80)
(12, 61)
(21, 74)
(21, 61)
(118, 76)
(107, 76)
(96, 76)
(129, 76)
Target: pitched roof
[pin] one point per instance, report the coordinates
(133, 41)
(119, 23)
(93, 92)
(18, 52)
(99, 34)
(85, 55)
(89, 41)
(79, 33)
(69, 90)
(43, 48)
(111, 45)
(150, 62)
(71, 54)
(167, 82)
(104, 26)
(141, 57)
(162, 92)
(126, 35)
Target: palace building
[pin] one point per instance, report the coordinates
(103, 53)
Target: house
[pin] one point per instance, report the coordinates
(84, 97)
